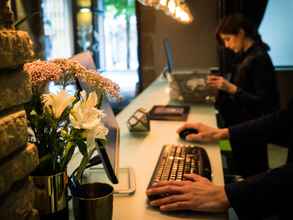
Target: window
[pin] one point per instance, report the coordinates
(120, 36)
(57, 28)
(276, 30)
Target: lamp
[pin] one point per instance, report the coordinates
(150, 2)
(84, 19)
(177, 9)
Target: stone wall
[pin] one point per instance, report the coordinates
(17, 158)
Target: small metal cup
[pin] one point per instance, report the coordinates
(51, 193)
(93, 201)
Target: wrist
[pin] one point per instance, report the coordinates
(222, 199)
(223, 133)
(232, 89)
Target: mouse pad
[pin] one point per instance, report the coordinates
(169, 112)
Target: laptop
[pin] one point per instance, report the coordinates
(187, 85)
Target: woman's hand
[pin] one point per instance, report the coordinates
(205, 133)
(195, 193)
(218, 82)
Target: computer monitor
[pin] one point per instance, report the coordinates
(110, 154)
(169, 55)
(170, 66)
(186, 84)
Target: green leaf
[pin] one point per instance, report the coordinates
(20, 21)
(122, 7)
(82, 146)
(83, 164)
(101, 142)
(68, 152)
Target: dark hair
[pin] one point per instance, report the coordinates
(232, 24)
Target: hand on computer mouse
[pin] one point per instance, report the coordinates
(187, 131)
(204, 132)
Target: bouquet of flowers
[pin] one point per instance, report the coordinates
(62, 122)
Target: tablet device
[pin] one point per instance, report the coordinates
(169, 112)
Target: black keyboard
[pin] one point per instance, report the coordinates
(176, 160)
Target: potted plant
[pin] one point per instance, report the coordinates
(62, 122)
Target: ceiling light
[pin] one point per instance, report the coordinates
(171, 7)
(177, 9)
(183, 13)
(150, 2)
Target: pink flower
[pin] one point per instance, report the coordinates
(65, 71)
(42, 72)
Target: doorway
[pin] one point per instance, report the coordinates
(107, 28)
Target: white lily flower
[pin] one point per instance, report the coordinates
(85, 118)
(85, 115)
(100, 131)
(83, 95)
(56, 104)
(90, 101)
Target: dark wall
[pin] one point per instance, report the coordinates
(285, 81)
(194, 45)
(33, 25)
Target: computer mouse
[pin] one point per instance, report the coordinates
(187, 131)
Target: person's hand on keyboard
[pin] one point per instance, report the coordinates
(197, 194)
(205, 133)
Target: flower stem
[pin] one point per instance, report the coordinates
(83, 164)
(68, 152)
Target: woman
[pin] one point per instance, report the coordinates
(249, 91)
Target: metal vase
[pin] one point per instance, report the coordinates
(51, 193)
(93, 201)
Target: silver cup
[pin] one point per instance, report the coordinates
(93, 201)
(51, 193)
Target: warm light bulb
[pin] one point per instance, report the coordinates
(171, 7)
(178, 11)
(163, 3)
(154, 3)
(84, 17)
(85, 10)
(175, 8)
(142, 2)
(182, 13)
(149, 2)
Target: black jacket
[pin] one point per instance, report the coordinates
(270, 193)
(253, 73)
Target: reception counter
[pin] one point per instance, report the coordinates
(141, 152)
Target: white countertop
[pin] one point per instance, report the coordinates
(141, 152)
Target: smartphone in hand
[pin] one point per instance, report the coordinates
(215, 71)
